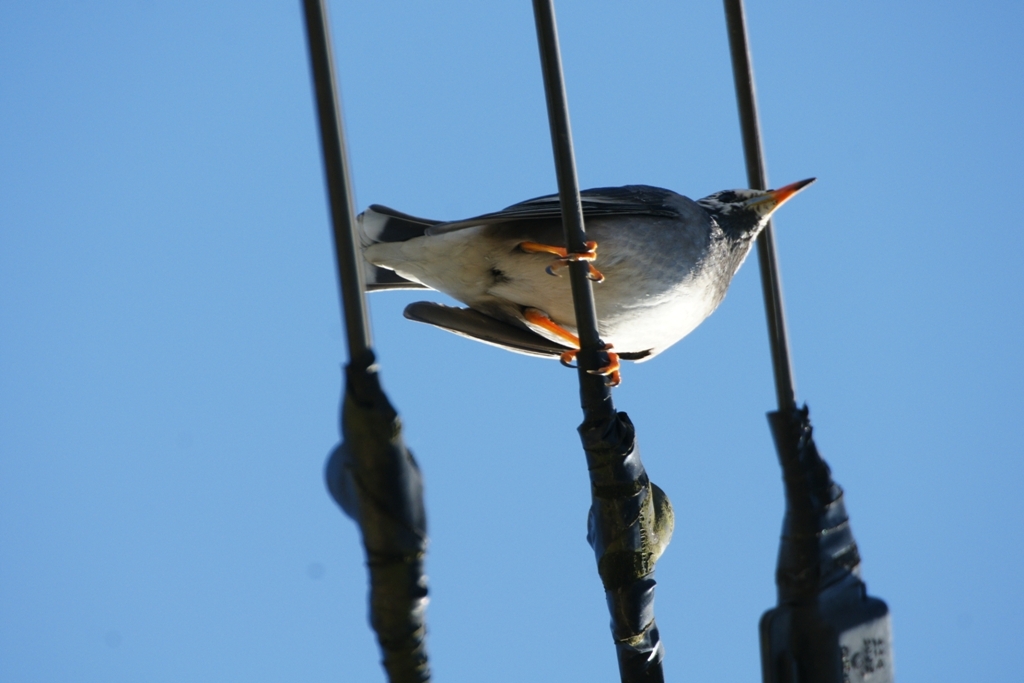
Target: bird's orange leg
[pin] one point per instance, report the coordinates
(565, 258)
(537, 317)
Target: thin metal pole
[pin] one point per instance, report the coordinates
(348, 256)
(757, 177)
(595, 395)
(823, 608)
(629, 523)
(371, 474)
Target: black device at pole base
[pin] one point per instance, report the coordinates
(826, 629)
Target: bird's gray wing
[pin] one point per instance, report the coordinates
(635, 200)
(467, 322)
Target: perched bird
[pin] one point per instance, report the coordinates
(664, 264)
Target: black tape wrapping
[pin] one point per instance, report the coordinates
(629, 526)
(818, 548)
(376, 481)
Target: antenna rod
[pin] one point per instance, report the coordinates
(757, 178)
(348, 255)
(594, 392)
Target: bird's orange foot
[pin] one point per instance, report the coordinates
(537, 317)
(565, 258)
(611, 371)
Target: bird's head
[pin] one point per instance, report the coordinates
(742, 214)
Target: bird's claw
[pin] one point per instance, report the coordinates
(593, 274)
(611, 371)
(537, 317)
(565, 257)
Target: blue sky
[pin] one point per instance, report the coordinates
(170, 341)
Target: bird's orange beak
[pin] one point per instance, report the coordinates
(765, 203)
(782, 194)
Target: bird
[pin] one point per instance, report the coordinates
(661, 263)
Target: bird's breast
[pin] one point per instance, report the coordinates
(654, 290)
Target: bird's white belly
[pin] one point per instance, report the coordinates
(656, 323)
(632, 316)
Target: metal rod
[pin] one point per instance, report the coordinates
(348, 255)
(371, 474)
(594, 393)
(757, 177)
(624, 519)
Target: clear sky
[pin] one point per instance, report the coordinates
(170, 341)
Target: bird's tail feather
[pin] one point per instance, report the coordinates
(382, 224)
